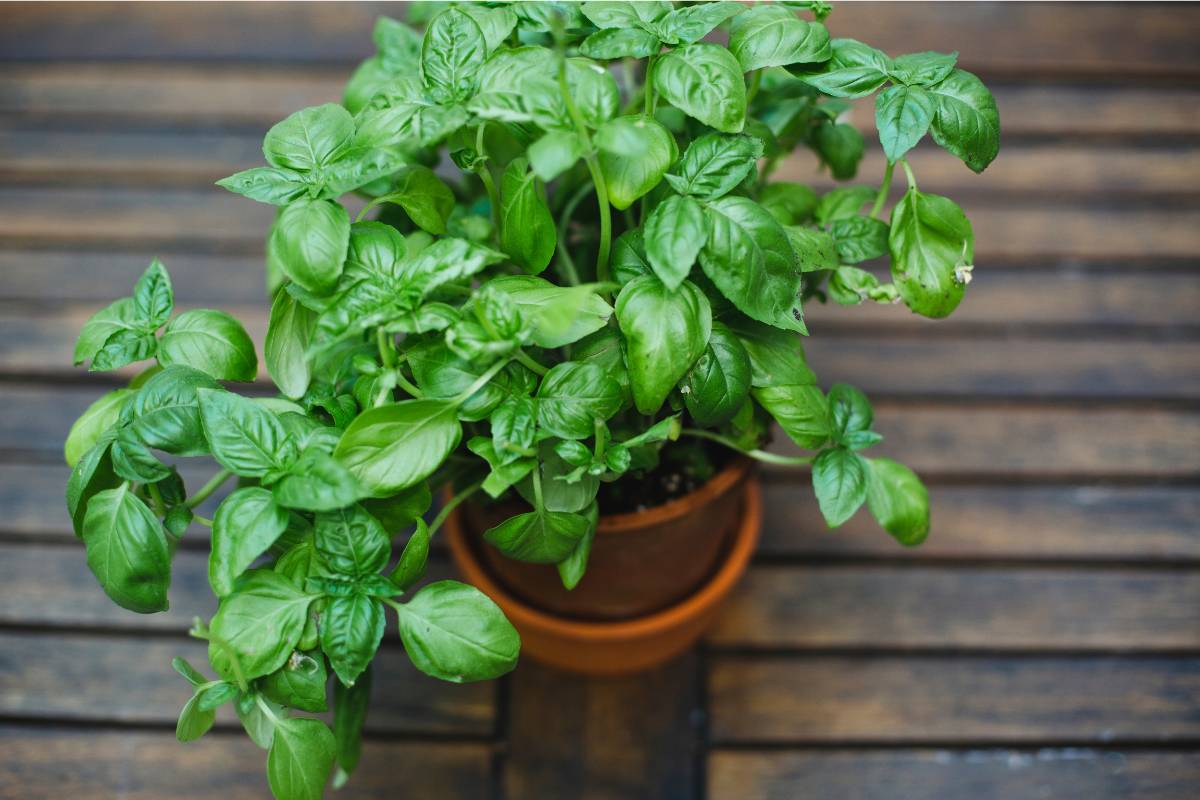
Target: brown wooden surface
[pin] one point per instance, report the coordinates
(1045, 641)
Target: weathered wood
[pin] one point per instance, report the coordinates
(991, 608)
(55, 762)
(603, 739)
(942, 699)
(1064, 774)
(76, 677)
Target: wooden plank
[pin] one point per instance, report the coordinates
(68, 762)
(76, 677)
(1110, 523)
(943, 699)
(1063, 774)
(594, 739)
(987, 608)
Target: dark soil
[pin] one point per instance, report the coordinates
(681, 470)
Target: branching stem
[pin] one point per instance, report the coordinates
(757, 455)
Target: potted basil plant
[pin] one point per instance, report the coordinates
(572, 295)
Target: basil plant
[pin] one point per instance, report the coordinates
(571, 266)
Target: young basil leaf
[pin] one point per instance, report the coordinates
(800, 410)
(210, 341)
(456, 633)
(350, 706)
(153, 298)
(705, 82)
(898, 500)
(557, 315)
(258, 726)
(98, 418)
(300, 683)
(310, 138)
(317, 482)
(119, 317)
(790, 203)
(850, 286)
(572, 568)
(902, 115)
(967, 122)
(612, 43)
(932, 248)
(539, 536)
(749, 258)
(122, 348)
(260, 624)
(665, 332)
(127, 550)
(842, 203)
(772, 36)
(719, 382)
(309, 241)
(776, 357)
(559, 494)
(692, 23)
(351, 630)
(675, 232)
(133, 461)
(839, 479)
(165, 412)
(393, 447)
(193, 675)
(352, 541)
(714, 165)
(442, 374)
(923, 69)
(451, 53)
(634, 153)
(573, 397)
(625, 14)
(527, 230)
(194, 721)
(503, 474)
(216, 696)
(246, 524)
(272, 185)
(92, 474)
(411, 567)
(494, 23)
(849, 410)
(423, 196)
(860, 239)
(245, 438)
(300, 759)
(514, 425)
(629, 259)
(289, 332)
(853, 70)
(555, 153)
(840, 147)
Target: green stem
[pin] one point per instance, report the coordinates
(755, 79)
(757, 455)
(537, 486)
(407, 386)
(387, 349)
(601, 439)
(485, 175)
(452, 504)
(570, 274)
(527, 360)
(597, 177)
(884, 188)
(648, 87)
(908, 173)
(266, 709)
(205, 521)
(480, 382)
(207, 489)
(160, 508)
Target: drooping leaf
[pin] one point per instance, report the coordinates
(719, 382)
(300, 759)
(351, 630)
(898, 500)
(527, 231)
(456, 633)
(966, 122)
(246, 523)
(289, 332)
(98, 418)
(674, 234)
(839, 479)
(127, 550)
(932, 248)
(801, 411)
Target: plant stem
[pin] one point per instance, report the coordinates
(387, 352)
(601, 439)
(406, 385)
(480, 382)
(205, 521)
(207, 489)
(884, 188)
(485, 175)
(266, 709)
(570, 274)
(160, 507)
(648, 86)
(452, 504)
(597, 177)
(755, 79)
(527, 360)
(537, 486)
(908, 173)
(757, 455)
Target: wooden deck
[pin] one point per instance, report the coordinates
(1044, 643)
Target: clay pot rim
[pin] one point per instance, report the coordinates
(635, 521)
(699, 603)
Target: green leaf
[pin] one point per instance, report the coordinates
(456, 633)
(605, 347)
(594, 91)
(350, 706)
(557, 315)
(411, 567)
(624, 14)
(300, 759)
(675, 232)
(527, 231)
(840, 147)
(260, 624)
(245, 438)
(289, 332)
(193, 675)
(839, 479)
(573, 397)
(851, 286)
(272, 185)
(93, 473)
(842, 203)
(514, 424)
(629, 259)
(153, 298)
(194, 721)
(853, 70)
(860, 239)
(692, 23)
(352, 541)
(246, 523)
(719, 382)
(967, 122)
(127, 550)
(814, 249)
(923, 69)
(705, 82)
(117, 319)
(165, 412)
(555, 153)
(898, 500)
(423, 196)
(572, 568)
(351, 630)
(210, 341)
(133, 461)
(776, 357)
(800, 410)
(300, 683)
(309, 241)
(634, 153)
(749, 258)
(494, 23)
(612, 43)
(122, 348)
(665, 332)
(98, 418)
(902, 115)
(400, 510)
(451, 54)
(215, 696)
(396, 446)
(932, 246)
(442, 374)
(539, 536)
(773, 36)
(317, 482)
(715, 165)
(790, 203)
(310, 138)
(849, 410)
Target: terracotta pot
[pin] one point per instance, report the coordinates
(675, 585)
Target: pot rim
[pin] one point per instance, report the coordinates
(635, 521)
(699, 603)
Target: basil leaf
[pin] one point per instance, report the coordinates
(843, 203)
(503, 473)
(351, 630)
(611, 43)
(853, 70)
(932, 246)
(289, 332)
(539, 536)
(495, 23)
(693, 23)
(629, 260)
(967, 122)
(122, 348)
(411, 567)
(210, 341)
(127, 550)
(193, 675)
(572, 568)
(851, 286)
(573, 397)
(898, 500)
(153, 298)
(393, 447)
(92, 474)
(442, 374)
(245, 438)
(246, 524)
(133, 461)
(902, 115)
(527, 231)
(423, 196)
(118, 317)
(258, 726)
(860, 239)
(675, 232)
(624, 14)
(456, 633)
(705, 82)
(776, 357)
(260, 624)
(801, 411)
(194, 721)
(605, 348)
(165, 412)
(715, 165)
(773, 36)
(839, 479)
(719, 382)
(317, 482)
(309, 240)
(300, 683)
(300, 759)
(400, 510)
(98, 418)
(350, 706)
(923, 69)
(790, 203)
(310, 138)
(352, 541)
(557, 315)
(665, 332)
(634, 153)
(849, 410)
(451, 53)
(555, 153)
(214, 697)
(514, 424)
(840, 147)
(272, 185)
(749, 258)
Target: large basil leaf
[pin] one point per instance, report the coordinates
(352, 541)
(967, 122)
(573, 397)
(300, 683)
(902, 115)
(841, 147)
(705, 82)
(165, 413)
(317, 482)
(210, 341)
(594, 91)
(801, 411)
(719, 382)
(854, 70)
(456, 633)
(931, 245)
(127, 550)
(451, 54)
(605, 348)
(527, 230)
(773, 36)
(98, 418)
(92, 474)
(675, 232)
(610, 43)
(246, 523)
(396, 446)
(634, 153)
(839, 479)
(309, 240)
(859, 239)
(923, 69)
(442, 374)
(260, 623)
(194, 721)
(300, 759)
(625, 14)
(665, 332)
(539, 536)
(749, 258)
(245, 438)
(572, 568)
(351, 630)
(423, 196)
(310, 138)
(289, 332)
(714, 165)
(558, 315)
(776, 357)
(898, 500)
(692, 23)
